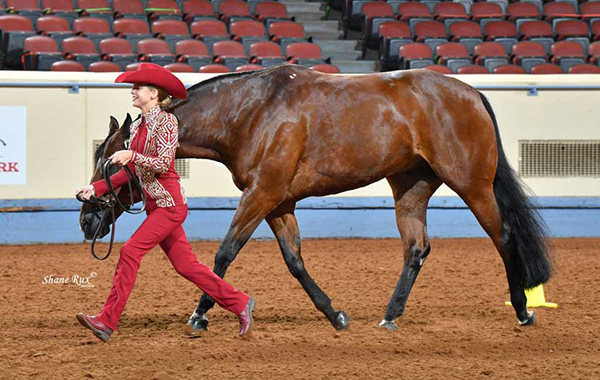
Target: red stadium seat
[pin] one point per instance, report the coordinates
(538, 31)
(546, 68)
(412, 10)
(25, 8)
(529, 54)
(392, 35)
(117, 50)
(270, 10)
(325, 68)
(559, 9)
(129, 9)
(266, 54)
(55, 27)
(40, 53)
(179, 67)
(210, 31)
(590, 10)
(523, 10)
(567, 54)
(67, 66)
(133, 66)
(14, 30)
(248, 32)
(248, 67)
(193, 52)
(214, 68)
(104, 67)
(431, 33)
(472, 69)
(156, 51)
(133, 30)
(467, 33)
(448, 11)
(234, 8)
(171, 31)
(483, 10)
(415, 56)
(96, 8)
(304, 53)
(61, 8)
(503, 32)
(163, 9)
(490, 55)
(594, 52)
(374, 14)
(596, 31)
(509, 69)
(80, 49)
(286, 32)
(230, 54)
(439, 68)
(194, 10)
(585, 68)
(96, 29)
(573, 30)
(453, 55)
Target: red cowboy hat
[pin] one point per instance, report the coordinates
(153, 74)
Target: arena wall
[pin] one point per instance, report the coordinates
(64, 123)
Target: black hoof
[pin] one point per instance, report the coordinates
(389, 325)
(530, 320)
(341, 320)
(196, 325)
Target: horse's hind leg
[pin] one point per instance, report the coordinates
(412, 191)
(285, 227)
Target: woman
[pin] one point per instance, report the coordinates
(152, 156)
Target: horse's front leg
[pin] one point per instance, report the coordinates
(284, 225)
(254, 205)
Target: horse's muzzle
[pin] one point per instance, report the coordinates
(91, 222)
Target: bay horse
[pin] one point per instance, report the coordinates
(287, 133)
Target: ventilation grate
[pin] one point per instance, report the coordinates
(559, 158)
(182, 167)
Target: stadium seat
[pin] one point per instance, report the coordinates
(230, 54)
(559, 10)
(270, 11)
(449, 12)
(304, 53)
(117, 50)
(193, 52)
(194, 10)
(596, 31)
(248, 32)
(133, 30)
(590, 11)
(490, 55)
(210, 31)
(439, 68)
(156, 51)
(96, 29)
(415, 56)
(179, 67)
(60, 8)
(266, 54)
(14, 29)
(129, 9)
(55, 27)
(40, 52)
(104, 67)
(133, 66)
(95, 8)
(163, 9)
(25, 8)
(472, 69)
(487, 11)
(528, 54)
(573, 30)
(413, 12)
(503, 32)
(453, 55)
(286, 32)
(467, 33)
(326, 68)
(233, 10)
(67, 66)
(508, 69)
(546, 68)
(567, 54)
(523, 10)
(431, 33)
(538, 31)
(374, 14)
(392, 35)
(584, 68)
(594, 52)
(248, 67)
(214, 68)
(80, 49)
(171, 31)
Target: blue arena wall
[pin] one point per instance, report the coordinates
(31, 221)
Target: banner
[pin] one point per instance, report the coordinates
(13, 145)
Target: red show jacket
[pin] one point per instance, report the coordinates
(153, 142)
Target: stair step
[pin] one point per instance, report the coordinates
(299, 7)
(355, 67)
(303, 17)
(321, 26)
(342, 55)
(344, 46)
(318, 36)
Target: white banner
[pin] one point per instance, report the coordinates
(13, 145)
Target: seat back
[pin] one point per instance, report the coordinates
(15, 23)
(451, 49)
(104, 67)
(559, 8)
(490, 49)
(395, 29)
(114, 46)
(430, 29)
(286, 29)
(179, 67)
(465, 29)
(50, 24)
(23, 5)
(528, 49)
(228, 49)
(377, 9)
(40, 44)
(484, 9)
(546, 68)
(214, 69)
(198, 8)
(170, 27)
(439, 69)
(249, 28)
(273, 9)
(567, 49)
(209, 28)
(130, 26)
(163, 7)
(536, 29)
(497, 29)
(248, 67)
(415, 51)
(522, 10)
(414, 9)
(449, 9)
(325, 68)
(91, 25)
(153, 46)
(58, 5)
(572, 28)
(508, 69)
(300, 50)
(265, 50)
(128, 6)
(78, 45)
(584, 68)
(191, 47)
(234, 8)
(67, 66)
(472, 69)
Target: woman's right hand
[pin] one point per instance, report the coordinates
(86, 192)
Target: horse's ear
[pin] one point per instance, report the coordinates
(114, 124)
(126, 125)
(128, 120)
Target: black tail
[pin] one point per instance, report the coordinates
(523, 231)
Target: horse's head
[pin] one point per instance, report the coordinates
(92, 218)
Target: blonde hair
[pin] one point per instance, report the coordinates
(163, 97)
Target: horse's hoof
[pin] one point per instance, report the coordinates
(341, 320)
(196, 325)
(389, 325)
(530, 320)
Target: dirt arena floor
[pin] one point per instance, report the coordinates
(455, 326)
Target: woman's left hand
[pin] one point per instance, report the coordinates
(122, 157)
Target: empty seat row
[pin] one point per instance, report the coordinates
(542, 68)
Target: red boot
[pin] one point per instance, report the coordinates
(246, 318)
(92, 323)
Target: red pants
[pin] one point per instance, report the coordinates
(163, 226)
